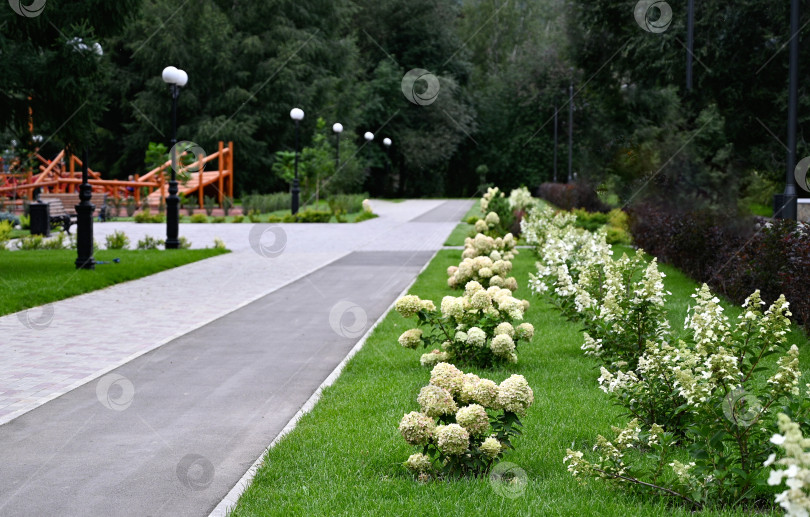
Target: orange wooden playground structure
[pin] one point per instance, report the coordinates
(63, 175)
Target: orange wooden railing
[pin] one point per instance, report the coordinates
(64, 178)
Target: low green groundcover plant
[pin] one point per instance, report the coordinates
(465, 423)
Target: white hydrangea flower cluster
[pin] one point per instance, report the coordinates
(520, 199)
(491, 193)
(481, 326)
(484, 270)
(465, 428)
(796, 476)
(367, 206)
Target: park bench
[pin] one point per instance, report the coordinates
(63, 207)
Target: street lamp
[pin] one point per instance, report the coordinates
(784, 206)
(338, 129)
(176, 79)
(570, 130)
(297, 115)
(84, 222)
(387, 144)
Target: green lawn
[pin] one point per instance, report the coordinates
(344, 457)
(464, 229)
(32, 278)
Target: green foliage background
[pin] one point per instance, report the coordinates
(503, 66)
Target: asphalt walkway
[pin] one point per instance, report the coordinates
(181, 387)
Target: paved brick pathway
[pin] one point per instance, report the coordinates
(46, 352)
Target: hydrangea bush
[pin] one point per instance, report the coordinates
(489, 271)
(520, 199)
(708, 394)
(465, 423)
(481, 327)
(794, 450)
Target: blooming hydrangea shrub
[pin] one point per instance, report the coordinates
(520, 199)
(715, 394)
(489, 271)
(482, 327)
(465, 423)
(795, 451)
(482, 245)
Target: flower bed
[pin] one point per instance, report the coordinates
(709, 389)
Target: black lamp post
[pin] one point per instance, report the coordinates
(690, 41)
(555, 142)
(297, 115)
(387, 144)
(84, 222)
(784, 205)
(570, 131)
(338, 129)
(176, 79)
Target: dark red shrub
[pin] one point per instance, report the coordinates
(734, 256)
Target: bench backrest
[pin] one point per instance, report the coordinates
(57, 208)
(69, 201)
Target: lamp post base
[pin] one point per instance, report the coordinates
(172, 217)
(84, 229)
(784, 206)
(295, 194)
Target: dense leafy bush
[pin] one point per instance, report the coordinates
(199, 218)
(5, 233)
(149, 243)
(572, 195)
(365, 216)
(11, 218)
(346, 203)
(266, 203)
(734, 256)
(117, 240)
(310, 216)
(496, 201)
